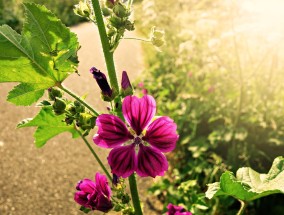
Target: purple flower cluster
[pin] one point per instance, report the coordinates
(94, 195)
(176, 210)
(148, 139)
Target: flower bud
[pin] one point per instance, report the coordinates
(111, 31)
(59, 106)
(106, 12)
(53, 93)
(125, 199)
(126, 88)
(129, 26)
(115, 179)
(116, 22)
(120, 10)
(79, 108)
(109, 3)
(82, 9)
(102, 82)
(86, 121)
(70, 108)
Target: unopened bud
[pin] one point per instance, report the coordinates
(109, 3)
(106, 12)
(129, 26)
(111, 31)
(116, 22)
(102, 82)
(115, 179)
(53, 93)
(82, 9)
(120, 10)
(79, 107)
(59, 106)
(126, 87)
(86, 121)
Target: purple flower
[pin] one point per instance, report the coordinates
(102, 81)
(144, 153)
(176, 210)
(94, 195)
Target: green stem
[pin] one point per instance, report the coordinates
(95, 155)
(134, 195)
(78, 99)
(106, 46)
(243, 207)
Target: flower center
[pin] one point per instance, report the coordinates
(137, 141)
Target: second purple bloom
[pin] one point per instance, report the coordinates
(137, 145)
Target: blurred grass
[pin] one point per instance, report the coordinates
(12, 11)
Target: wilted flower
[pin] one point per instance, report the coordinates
(176, 210)
(144, 153)
(94, 195)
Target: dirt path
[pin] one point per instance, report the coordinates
(42, 181)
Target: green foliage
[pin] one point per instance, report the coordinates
(223, 89)
(48, 125)
(41, 57)
(248, 184)
(11, 12)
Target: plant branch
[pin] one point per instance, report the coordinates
(135, 195)
(133, 38)
(95, 155)
(78, 99)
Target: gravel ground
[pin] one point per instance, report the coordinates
(42, 181)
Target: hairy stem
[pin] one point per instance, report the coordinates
(95, 155)
(106, 47)
(78, 99)
(135, 195)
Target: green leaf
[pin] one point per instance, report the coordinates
(41, 57)
(49, 125)
(248, 184)
(85, 210)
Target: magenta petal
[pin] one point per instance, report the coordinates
(81, 198)
(151, 162)
(161, 134)
(87, 185)
(102, 185)
(112, 131)
(122, 160)
(138, 112)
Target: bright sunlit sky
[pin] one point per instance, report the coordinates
(266, 16)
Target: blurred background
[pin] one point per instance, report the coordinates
(220, 76)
